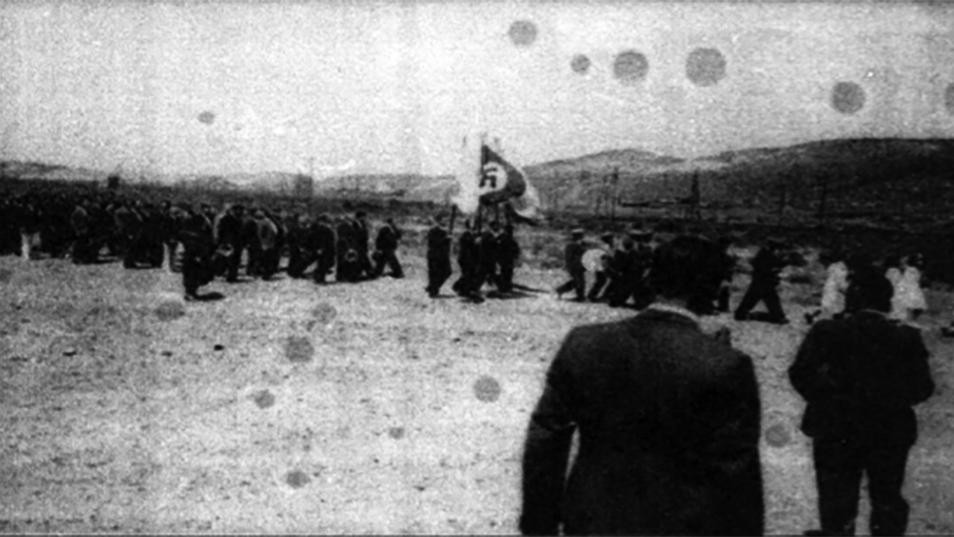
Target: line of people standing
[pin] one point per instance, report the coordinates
(195, 238)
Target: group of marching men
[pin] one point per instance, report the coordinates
(486, 256)
(621, 269)
(213, 245)
(197, 240)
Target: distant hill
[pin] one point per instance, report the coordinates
(51, 172)
(409, 187)
(853, 176)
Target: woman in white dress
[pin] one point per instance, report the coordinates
(909, 301)
(833, 293)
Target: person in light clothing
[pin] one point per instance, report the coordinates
(833, 293)
(908, 301)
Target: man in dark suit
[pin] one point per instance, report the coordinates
(82, 242)
(362, 234)
(323, 245)
(229, 235)
(198, 243)
(573, 263)
(507, 250)
(860, 376)
(766, 266)
(668, 419)
(487, 257)
(385, 246)
(348, 268)
(300, 255)
(438, 257)
(467, 258)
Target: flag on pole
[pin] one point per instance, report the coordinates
(492, 180)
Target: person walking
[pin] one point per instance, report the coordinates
(860, 375)
(766, 266)
(668, 421)
(573, 263)
(438, 257)
(385, 246)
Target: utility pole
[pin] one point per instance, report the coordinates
(614, 194)
(783, 194)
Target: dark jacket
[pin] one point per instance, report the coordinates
(860, 376)
(766, 266)
(230, 230)
(195, 234)
(388, 237)
(361, 235)
(508, 249)
(669, 430)
(467, 250)
(79, 220)
(573, 257)
(322, 240)
(438, 244)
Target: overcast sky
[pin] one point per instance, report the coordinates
(182, 87)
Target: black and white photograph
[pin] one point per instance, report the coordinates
(533, 267)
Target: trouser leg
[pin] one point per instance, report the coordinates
(752, 297)
(773, 303)
(598, 284)
(506, 278)
(838, 467)
(885, 467)
(394, 265)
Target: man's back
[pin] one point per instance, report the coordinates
(669, 428)
(860, 376)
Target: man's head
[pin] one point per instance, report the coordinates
(687, 269)
(868, 289)
(576, 234)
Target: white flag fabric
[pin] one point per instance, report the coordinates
(468, 178)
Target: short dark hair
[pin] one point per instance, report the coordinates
(687, 267)
(868, 289)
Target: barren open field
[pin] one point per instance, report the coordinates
(348, 408)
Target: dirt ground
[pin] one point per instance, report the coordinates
(348, 408)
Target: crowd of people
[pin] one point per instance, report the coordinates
(485, 256)
(669, 417)
(621, 268)
(200, 241)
